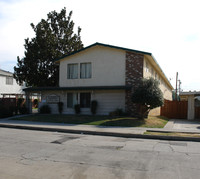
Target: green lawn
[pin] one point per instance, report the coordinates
(152, 122)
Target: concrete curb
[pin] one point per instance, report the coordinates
(113, 134)
(172, 131)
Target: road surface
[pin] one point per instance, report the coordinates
(37, 154)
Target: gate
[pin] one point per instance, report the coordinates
(174, 109)
(197, 112)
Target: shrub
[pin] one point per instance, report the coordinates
(23, 109)
(148, 95)
(45, 109)
(77, 108)
(20, 102)
(35, 103)
(60, 107)
(117, 112)
(94, 107)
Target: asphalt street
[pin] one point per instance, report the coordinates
(37, 154)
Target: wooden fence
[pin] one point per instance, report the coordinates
(8, 102)
(175, 109)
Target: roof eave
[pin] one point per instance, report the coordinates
(34, 89)
(104, 45)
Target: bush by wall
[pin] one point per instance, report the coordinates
(20, 102)
(77, 108)
(35, 103)
(93, 107)
(45, 109)
(117, 112)
(60, 107)
(23, 109)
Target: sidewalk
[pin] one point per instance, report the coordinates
(129, 132)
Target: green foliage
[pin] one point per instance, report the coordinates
(45, 109)
(93, 107)
(151, 122)
(54, 38)
(60, 107)
(20, 105)
(23, 109)
(117, 112)
(148, 95)
(35, 103)
(20, 102)
(77, 108)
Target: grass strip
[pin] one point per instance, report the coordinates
(151, 122)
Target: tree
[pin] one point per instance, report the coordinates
(53, 39)
(148, 95)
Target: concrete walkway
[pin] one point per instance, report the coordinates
(186, 125)
(137, 132)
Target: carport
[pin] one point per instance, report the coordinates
(193, 99)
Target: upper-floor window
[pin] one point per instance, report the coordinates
(156, 75)
(152, 72)
(86, 70)
(72, 71)
(9, 80)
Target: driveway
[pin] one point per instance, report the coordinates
(183, 125)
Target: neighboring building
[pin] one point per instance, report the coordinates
(9, 86)
(193, 101)
(104, 73)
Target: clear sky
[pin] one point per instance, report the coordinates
(169, 29)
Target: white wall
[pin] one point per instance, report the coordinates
(108, 67)
(5, 88)
(108, 101)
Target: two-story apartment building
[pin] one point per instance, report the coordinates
(8, 85)
(105, 73)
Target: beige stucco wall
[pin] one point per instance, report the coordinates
(108, 101)
(150, 71)
(108, 67)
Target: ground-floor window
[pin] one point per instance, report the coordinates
(84, 99)
(72, 99)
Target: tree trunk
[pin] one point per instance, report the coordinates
(143, 113)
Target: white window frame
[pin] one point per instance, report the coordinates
(72, 71)
(9, 80)
(85, 70)
(74, 99)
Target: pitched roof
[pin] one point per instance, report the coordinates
(5, 73)
(105, 45)
(152, 59)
